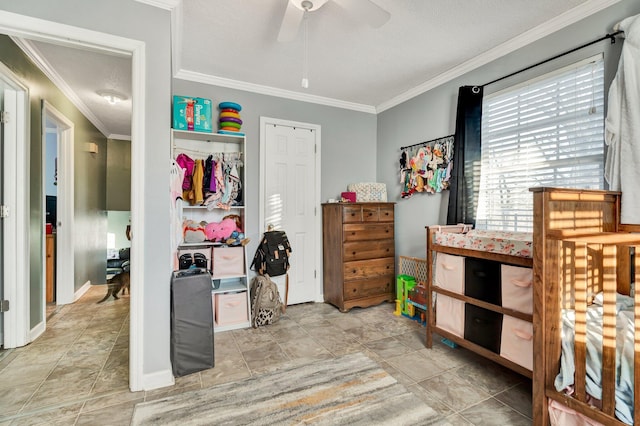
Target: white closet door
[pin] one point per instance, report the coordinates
(290, 194)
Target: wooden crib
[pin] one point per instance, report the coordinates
(580, 249)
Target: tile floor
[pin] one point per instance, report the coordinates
(77, 372)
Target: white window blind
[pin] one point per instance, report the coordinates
(546, 132)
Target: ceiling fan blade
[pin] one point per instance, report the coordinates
(366, 11)
(290, 23)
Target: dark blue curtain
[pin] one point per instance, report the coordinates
(465, 177)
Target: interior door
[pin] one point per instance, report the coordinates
(2, 203)
(290, 194)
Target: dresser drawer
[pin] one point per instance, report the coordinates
(385, 213)
(360, 269)
(370, 213)
(359, 250)
(517, 288)
(351, 214)
(367, 231)
(449, 272)
(369, 287)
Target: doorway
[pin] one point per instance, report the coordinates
(48, 31)
(289, 200)
(14, 211)
(55, 124)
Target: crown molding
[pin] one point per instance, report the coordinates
(271, 91)
(162, 4)
(119, 137)
(34, 54)
(561, 21)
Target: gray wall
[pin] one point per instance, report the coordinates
(348, 140)
(118, 175)
(432, 114)
(133, 20)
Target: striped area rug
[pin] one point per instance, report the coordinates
(351, 389)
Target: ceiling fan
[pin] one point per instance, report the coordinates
(365, 10)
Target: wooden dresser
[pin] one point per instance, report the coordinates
(358, 254)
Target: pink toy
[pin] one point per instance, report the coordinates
(220, 231)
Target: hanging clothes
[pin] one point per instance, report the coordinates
(622, 125)
(186, 163)
(198, 175)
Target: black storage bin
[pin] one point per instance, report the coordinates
(483, 327)
(482, 280)
(191, 321)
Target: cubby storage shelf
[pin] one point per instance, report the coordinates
(199, 145)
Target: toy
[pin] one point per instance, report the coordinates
(220, 231)
(193, 232)
(237, 236)
(229, 120)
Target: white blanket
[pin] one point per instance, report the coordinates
(622, 125)
(624, 354)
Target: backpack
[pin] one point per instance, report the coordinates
(266, 305)
(272, 255)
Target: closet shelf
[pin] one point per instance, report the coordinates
(207, 137)
(187, 206)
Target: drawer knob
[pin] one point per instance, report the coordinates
(354, 271)
(353, 253)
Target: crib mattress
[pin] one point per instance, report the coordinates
(510, 243)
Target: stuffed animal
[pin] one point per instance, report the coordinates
(220, 231)
(193, 232)
(237, 219)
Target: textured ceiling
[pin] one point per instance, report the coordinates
(348, 60)
(234, 44)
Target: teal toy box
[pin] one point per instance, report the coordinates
(192, 114)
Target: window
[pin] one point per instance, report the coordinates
(545, 132)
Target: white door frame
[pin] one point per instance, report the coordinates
(65, 249)
(16, 246)
(53, 32)
(317, 225)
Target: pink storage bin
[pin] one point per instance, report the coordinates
(450, 272)
(517, 288)
(231, 308)
(450, 314)
(228, 262)
(516, 342)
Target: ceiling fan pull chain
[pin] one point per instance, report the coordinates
(305, 59)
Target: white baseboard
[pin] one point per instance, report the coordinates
(36, 331)
(82, 290)
(159, 379)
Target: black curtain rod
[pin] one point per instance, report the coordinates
(611, 36)
(426, 142)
